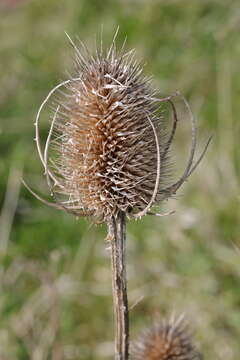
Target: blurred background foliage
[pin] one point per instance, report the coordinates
(55, 280)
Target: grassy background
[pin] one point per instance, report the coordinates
(55, 281)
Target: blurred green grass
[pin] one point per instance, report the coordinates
(55, 281)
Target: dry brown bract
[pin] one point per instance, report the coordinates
(107, 150)
(166, 341)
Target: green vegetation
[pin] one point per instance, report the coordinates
(55, 280)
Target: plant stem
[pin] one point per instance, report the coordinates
(117, 236)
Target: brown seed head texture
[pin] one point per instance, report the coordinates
(107, 149)
(166, 341)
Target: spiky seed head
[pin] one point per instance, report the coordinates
(106, 155)
(167, 340)
(107, 148)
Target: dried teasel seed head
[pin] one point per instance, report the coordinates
(107, 149)
(167, 340)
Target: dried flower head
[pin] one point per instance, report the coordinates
(166, 341)
(107, 149)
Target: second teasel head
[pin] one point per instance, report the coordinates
(166, 340)
(107, 150)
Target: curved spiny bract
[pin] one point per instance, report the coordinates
(167, 340)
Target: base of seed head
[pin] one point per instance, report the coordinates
(167, 340)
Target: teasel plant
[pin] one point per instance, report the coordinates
(166, 340)
(107, 153)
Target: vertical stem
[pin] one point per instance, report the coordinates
(117, 235)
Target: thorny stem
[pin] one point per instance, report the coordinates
(117, 236)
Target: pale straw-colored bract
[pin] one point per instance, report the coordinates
(107, 149)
